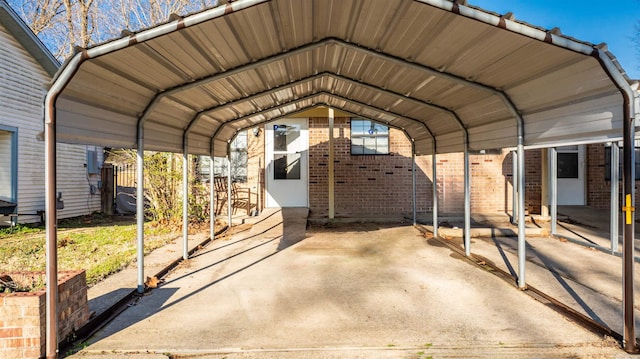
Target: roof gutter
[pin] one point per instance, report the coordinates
(507, 23)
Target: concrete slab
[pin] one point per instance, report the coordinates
(108, 292)
(342, 290)
(585, 279)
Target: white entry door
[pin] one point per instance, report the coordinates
(287, 142)
(571, 175)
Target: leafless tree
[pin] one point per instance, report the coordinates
(38, 14)
(64, 24)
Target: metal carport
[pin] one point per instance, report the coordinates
(452, 76)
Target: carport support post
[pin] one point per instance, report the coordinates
(467, 199)
(185, 200)
(521, 231)
(628, 252)
(140, 206)
(212, 199)
(413, 178)
(434, 181)
(553, 189)
(514, 187)
(229, 225)
(332, 209)
(615, 159)
(52, 236)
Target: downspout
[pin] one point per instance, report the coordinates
(628, 178)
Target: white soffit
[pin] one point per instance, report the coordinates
(422, 66)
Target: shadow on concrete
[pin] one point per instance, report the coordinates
(557, 270)
(101, 303)
(286, 227)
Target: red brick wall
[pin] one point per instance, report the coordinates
(22, 315)
(491, 182)
(380, 186)
(365, 186)
(598, 190)
(533, 180)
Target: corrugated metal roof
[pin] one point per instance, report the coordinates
(432, 67)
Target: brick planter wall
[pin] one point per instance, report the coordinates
(23, 315)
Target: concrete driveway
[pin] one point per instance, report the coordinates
(348, 291)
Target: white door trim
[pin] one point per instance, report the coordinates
(287, 192)
(572, 191)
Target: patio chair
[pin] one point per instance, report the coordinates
(240, 197)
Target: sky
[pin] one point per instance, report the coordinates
(614, 22)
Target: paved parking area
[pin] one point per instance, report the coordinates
(350, 291)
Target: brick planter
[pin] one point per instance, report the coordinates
(23, 316)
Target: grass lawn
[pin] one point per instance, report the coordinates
(100, 245)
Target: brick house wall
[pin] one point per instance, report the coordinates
(599, 188)
(533, 181)
(365, 186)
(381, 185)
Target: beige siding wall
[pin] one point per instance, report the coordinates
(22, 93)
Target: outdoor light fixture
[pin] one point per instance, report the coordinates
(372, 130)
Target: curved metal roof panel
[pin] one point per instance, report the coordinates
(433, 68)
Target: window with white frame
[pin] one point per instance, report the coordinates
(369, 138)
(239, 161)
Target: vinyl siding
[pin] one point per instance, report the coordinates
(22, 93)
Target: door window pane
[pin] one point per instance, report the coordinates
(284, 136)
(567, 165)
(286, 166)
